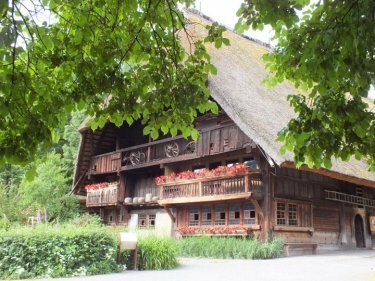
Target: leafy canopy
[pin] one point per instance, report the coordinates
(123, 61)
(120, 60)
(327, 50)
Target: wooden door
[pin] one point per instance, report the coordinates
(359, 233)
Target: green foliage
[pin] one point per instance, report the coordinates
(157, 253)
(328, 53)
(4, 223)
(230, 248)
(51, 173)
(84, 220)
(49, 190)
(47, 251)
(71, 142)
(125, 54)
(9, 202)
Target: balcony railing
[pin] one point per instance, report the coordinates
(105, 196)
(162, 151)
(211, 141)
(212, 188)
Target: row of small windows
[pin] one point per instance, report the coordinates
(233, 214)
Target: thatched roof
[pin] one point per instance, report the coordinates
(259, 112)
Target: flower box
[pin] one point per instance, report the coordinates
(214, 230)
(203, 173)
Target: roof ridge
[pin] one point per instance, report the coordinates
(204, 16)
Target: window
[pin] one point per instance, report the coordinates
(198, 168)
(142, 221)
(206, 216)
(286, 214)
(280, 213)
(194, 217)
(249, 214)
(228, 214)
(220, 215)
(234, 214)
(292, 214)
(231, 163)
(146, 220)
(151, 221)
(250, 163)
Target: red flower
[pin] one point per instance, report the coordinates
(219, 171)
(96, 185)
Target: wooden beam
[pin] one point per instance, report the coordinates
(257, 207)
(169, 212)
(184, 200)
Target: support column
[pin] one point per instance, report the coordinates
(343, 239)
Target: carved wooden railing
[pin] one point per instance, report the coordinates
(105, 196)
(213, 186)
(161, 150)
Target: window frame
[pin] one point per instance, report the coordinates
(217, 210)
(148, 218)
(287, 213)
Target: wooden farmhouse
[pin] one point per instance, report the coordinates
(232, 180)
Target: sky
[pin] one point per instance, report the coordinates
(224, 11)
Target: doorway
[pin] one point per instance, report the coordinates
(359, 232)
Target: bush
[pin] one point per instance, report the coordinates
(4, 223)
(230, 248)
(85, 219)
(157, 253)
(54, 251)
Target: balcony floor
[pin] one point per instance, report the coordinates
(210, 198)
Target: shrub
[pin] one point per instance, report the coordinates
(4, 223)
(85, 219)
(53, 251)
(157, 253)
(229, 248)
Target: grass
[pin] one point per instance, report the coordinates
(230, 248)
(157, 253)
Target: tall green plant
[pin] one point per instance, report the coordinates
(230, 248)
(157, 253)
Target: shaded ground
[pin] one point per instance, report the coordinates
(341, 265)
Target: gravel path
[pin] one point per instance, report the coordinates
(341, 265)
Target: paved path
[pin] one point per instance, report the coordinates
(341, 265)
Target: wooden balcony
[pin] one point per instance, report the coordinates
(106, 196)
(212, 189)
(211, 141)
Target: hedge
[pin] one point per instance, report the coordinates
(46, 251)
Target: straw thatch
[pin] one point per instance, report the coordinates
(259, 112)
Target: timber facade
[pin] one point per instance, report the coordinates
(183, 187)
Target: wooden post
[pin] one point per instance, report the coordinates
(200, 188)
(247, 183)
